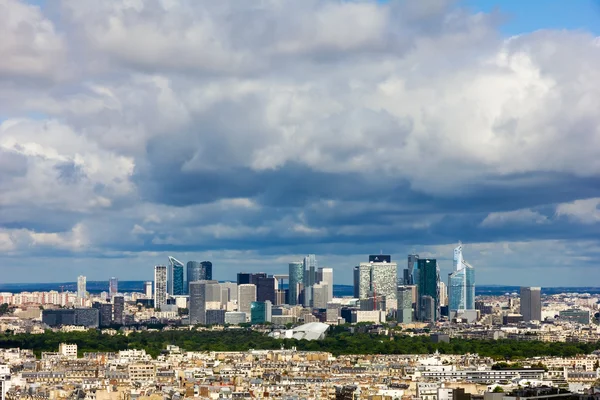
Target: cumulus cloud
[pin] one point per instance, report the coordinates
(286, 127)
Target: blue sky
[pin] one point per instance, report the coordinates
(251, 136)
(524, 16)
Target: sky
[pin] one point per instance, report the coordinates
(253, 133)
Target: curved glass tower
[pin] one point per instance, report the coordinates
(461, 284)
(198, 271)
(296, 279)
(175, 279)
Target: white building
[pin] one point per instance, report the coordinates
(67, 350)
(81, 287)
(148, 289)
(246, 295)
(327, 279)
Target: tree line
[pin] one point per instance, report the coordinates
(338, 342)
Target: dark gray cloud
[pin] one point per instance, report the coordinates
(251, 134)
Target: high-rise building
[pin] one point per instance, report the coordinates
(118, 309)
(362, 280)
(260, 312)
(428, 309)
(160, 286)
(148, 289)
(232, 291)
(198, 271)
(531, 303)
(310, 277)
(201, 293)
(320, 295)
(113, 286)
(405, 304)
(428, 285)
(81, 287)
(296, 279)
(246, 295)
(461, 284)
(375, 279)
(411, 272)
(105, 311)
(175, 277)
(246, 278)
(265, 289)
(443, 294)
(326, 277)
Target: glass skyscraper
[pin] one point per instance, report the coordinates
(175, 277)
(428, 285)
(377, 279)
(310, 277)
(198, 271)
(296, 278)
(461, 284)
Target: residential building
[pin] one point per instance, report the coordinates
(118, 309)
(113, 286)
(160, 286)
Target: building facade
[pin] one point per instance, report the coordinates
(461, 284)
(246, 295)
(296, 282)
(428, 285)
(81, 287)
(531, 303)
(160, 286)
(175, 283)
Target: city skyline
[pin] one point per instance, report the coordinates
(249, 135)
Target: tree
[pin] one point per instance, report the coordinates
(498, 389)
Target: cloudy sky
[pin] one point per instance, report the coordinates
(250, 133)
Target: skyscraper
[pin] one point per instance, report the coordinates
(326, 275)
(198, 271)
(296, 279)
(113, 286)
(160, 286)
(405, 301)
(265, 289)
(118, 308)
(320, 295)
(201, 293)
(377, 279)
(411, 271)
(245, 278)
(81, 287)
(246, 295)
(148, 289)
(310, 277)
(461, 284)
(531, 303)
(428, 285)
(260, 312)
(175, 277)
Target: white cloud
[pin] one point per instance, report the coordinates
(522, 217)
(585, 211)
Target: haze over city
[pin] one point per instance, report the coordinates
(252, 134)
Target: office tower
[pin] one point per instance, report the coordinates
(296, 279)
(443, 294)
(198, 271)
(428, 309)
(310, 277)
(232, 290)
(531, 303)
(118, 309)
(81, 287)
(202, 293)
(148, 289)
(260, 312)
(160, 286)
(215, 317)
(405, 305)
(113, 286)
(326, 277)
(428, 285)
(461, 284)
(320, 295)
(265, 289)
(175, 277)
(246, 278)
(380, 258)
(362, 280)
(246, 295)
(375, 279)
(411, 272)
(384, 280)
(105, 312)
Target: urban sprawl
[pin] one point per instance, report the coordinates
(404, 334)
